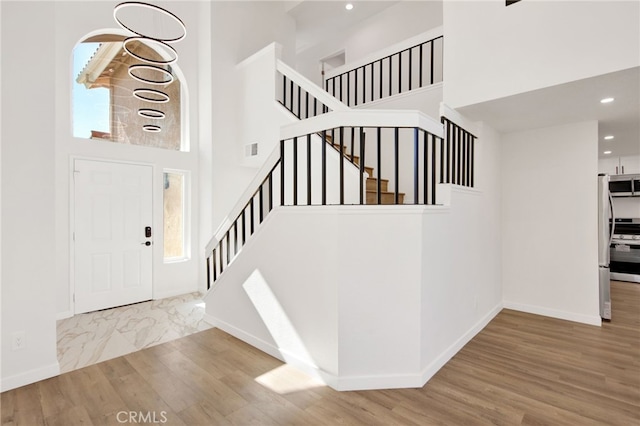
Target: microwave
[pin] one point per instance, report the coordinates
(624, 185)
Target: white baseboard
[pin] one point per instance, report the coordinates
(444, 357)
(28, 377)
(263, 345)
(64, 315)
(271, 349)
(398, 381)
(358, 382)
(554, 313)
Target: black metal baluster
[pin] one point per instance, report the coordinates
(458, 140)
(215, 266)
(379, 167)
(227, 239)
(410, 66)
(361, 165)
(235, 237)
(348, 88)
(473, 139)
(221, 258)
(425, 172)
(372, 83)
(309, 170)
(324, 167)
(295, 171)
(464, 159)
(433, 169)
(399, 73)
(396, 166)
(416, 154)
(353, 137)
(315, 106)
(431, 65)
(390, 76)
(251, 219)
(342, 75)
(333, 86)
(299, 116)
(469, 159)
(341, 165)
(420, 72)
(244, 227)
(281, 175)
(306, 104)
(260, 204)
(284, 90)
(448, 151)
(291, 95)
(208, 273)
(270, 188)
(355, 88)
(380, 79)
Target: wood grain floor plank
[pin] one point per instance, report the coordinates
(203, 413)
(521, 369)
(77, 415)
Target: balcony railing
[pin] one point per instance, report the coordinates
(408, 69)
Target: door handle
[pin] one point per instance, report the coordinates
(146, 243)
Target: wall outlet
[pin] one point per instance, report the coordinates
(18, 341)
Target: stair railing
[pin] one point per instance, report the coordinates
(404, 70)
(416, 151)
(302, 97)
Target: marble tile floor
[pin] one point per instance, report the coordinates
(90, 338)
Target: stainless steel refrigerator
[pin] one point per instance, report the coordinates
(606, 222)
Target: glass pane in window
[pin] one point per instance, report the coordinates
(115, 103)
(174, 211)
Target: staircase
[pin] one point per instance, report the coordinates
(372, 196)
(319, 162)
(321, 283)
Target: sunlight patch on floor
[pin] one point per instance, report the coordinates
(288, 379)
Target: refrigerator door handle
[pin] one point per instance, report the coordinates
(613, 219)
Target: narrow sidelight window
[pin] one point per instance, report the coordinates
(175, 214)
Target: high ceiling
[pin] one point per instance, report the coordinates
(315, 20)
(573, 102)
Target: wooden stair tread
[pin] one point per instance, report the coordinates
(370, 191)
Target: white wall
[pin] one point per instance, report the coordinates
(399, 22)
(534, 44)
(549, 214)
(365, 297)
(169, 279)
(238, 30)
(28, 225)
(41, 152)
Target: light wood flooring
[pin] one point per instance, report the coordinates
(521, 369)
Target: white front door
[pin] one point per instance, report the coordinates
(113, 250)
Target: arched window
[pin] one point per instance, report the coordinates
(127, 92)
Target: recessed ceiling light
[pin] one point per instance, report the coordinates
(608, 138)
(607, 152)
(606, 100)
(348, 6)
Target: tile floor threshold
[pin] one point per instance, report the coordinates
(90, 338)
